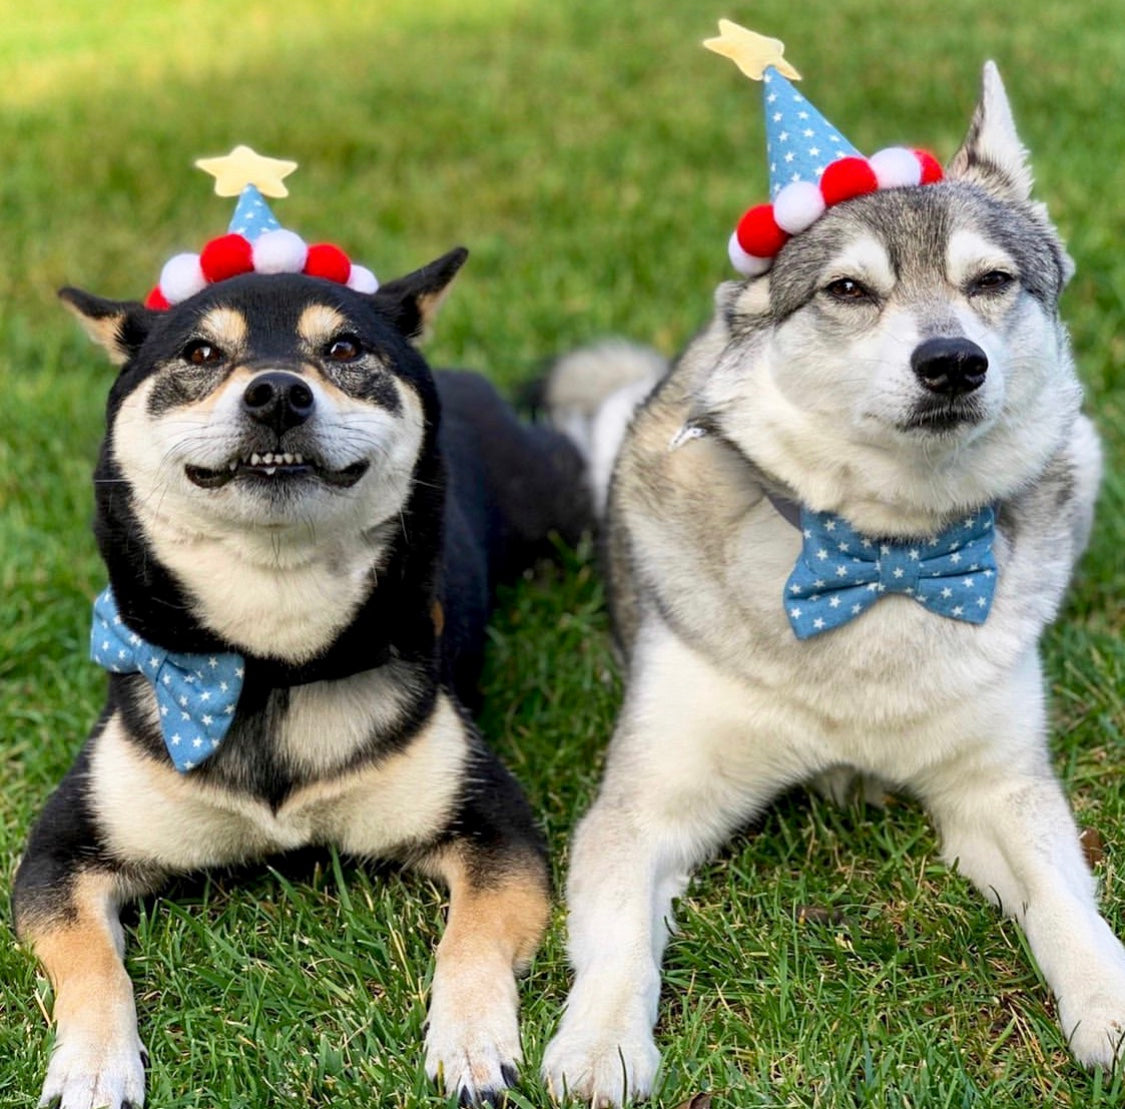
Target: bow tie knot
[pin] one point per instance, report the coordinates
(196, 695)
(840, 572)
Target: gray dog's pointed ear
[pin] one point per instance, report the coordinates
(412, 302)
(992, 155)
(118, 325)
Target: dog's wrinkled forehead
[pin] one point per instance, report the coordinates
(912, 233)
(264, 316)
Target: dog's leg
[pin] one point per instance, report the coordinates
(73, 928)
(1004, 820)
(498, 907)
(684, 770)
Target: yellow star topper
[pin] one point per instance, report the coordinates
(751, 52)
(242, 167)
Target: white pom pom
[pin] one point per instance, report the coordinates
(798, 206)
(279, 251)
(749, 265)
(896, 167)
(181, 278)
(362, 280)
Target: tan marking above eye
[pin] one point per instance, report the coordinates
(319, 323)
(223, 327)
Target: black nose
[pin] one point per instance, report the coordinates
(278, 400)
(949, 366)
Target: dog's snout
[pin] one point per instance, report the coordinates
(279, 400)
(950, 366)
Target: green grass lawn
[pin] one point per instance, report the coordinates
(593, 158)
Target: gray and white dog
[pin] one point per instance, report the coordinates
(902, 366)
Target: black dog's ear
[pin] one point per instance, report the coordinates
(411, 302)
(118, 325)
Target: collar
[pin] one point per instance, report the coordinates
(842, 572)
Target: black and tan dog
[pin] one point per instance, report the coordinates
(278, 500)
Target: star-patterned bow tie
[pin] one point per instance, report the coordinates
(841, 573)
(196, 694)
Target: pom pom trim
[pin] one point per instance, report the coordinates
(279, 251)
(766, 228)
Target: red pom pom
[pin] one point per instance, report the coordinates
(157, 301)
(931, 167)
(326, 260)
(846, 178)
(226, 256)
(758, 233)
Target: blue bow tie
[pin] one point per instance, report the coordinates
(841, 573)
(196, 694)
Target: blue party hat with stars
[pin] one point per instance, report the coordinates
(252, 216)
(812, 166)
(800, 142)
(255, 241)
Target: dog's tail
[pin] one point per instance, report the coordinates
(591, 395)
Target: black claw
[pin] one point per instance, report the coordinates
(465, 1098)
(508, 1073)
(128, 1105)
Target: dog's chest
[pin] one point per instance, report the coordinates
(895, 667)
(150, 813)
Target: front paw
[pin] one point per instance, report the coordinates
(473, 1055)
(605, 1066)
(1095, 1030)
(95, 1072)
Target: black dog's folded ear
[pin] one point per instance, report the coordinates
(118, 325)
(411, 302)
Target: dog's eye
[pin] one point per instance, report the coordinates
(201, 353)
(992, 282)
(344, 349)
(846, 288)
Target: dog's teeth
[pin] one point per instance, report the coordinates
(271, 470)
(255, 459)
(299, 459)
(288, 459)
(233, 465)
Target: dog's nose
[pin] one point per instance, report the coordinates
(950, 366)
(278, 400)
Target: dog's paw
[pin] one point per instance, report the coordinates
(95, 1073)
(600, 1067)
(1096, 1030)
(474, 1057)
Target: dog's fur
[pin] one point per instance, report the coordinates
(356, 581)
(801, 388)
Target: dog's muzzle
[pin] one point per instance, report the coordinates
(278, 401)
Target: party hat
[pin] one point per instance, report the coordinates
(255, 241)
(812, 165)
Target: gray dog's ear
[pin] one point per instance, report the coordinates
(118, 325)
(992, 155)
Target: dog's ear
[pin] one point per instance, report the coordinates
(992, 155)
(118, 325)
(412, 302)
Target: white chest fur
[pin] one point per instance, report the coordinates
(852, 695)
(150, 812)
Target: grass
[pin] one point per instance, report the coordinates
(592, 157)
